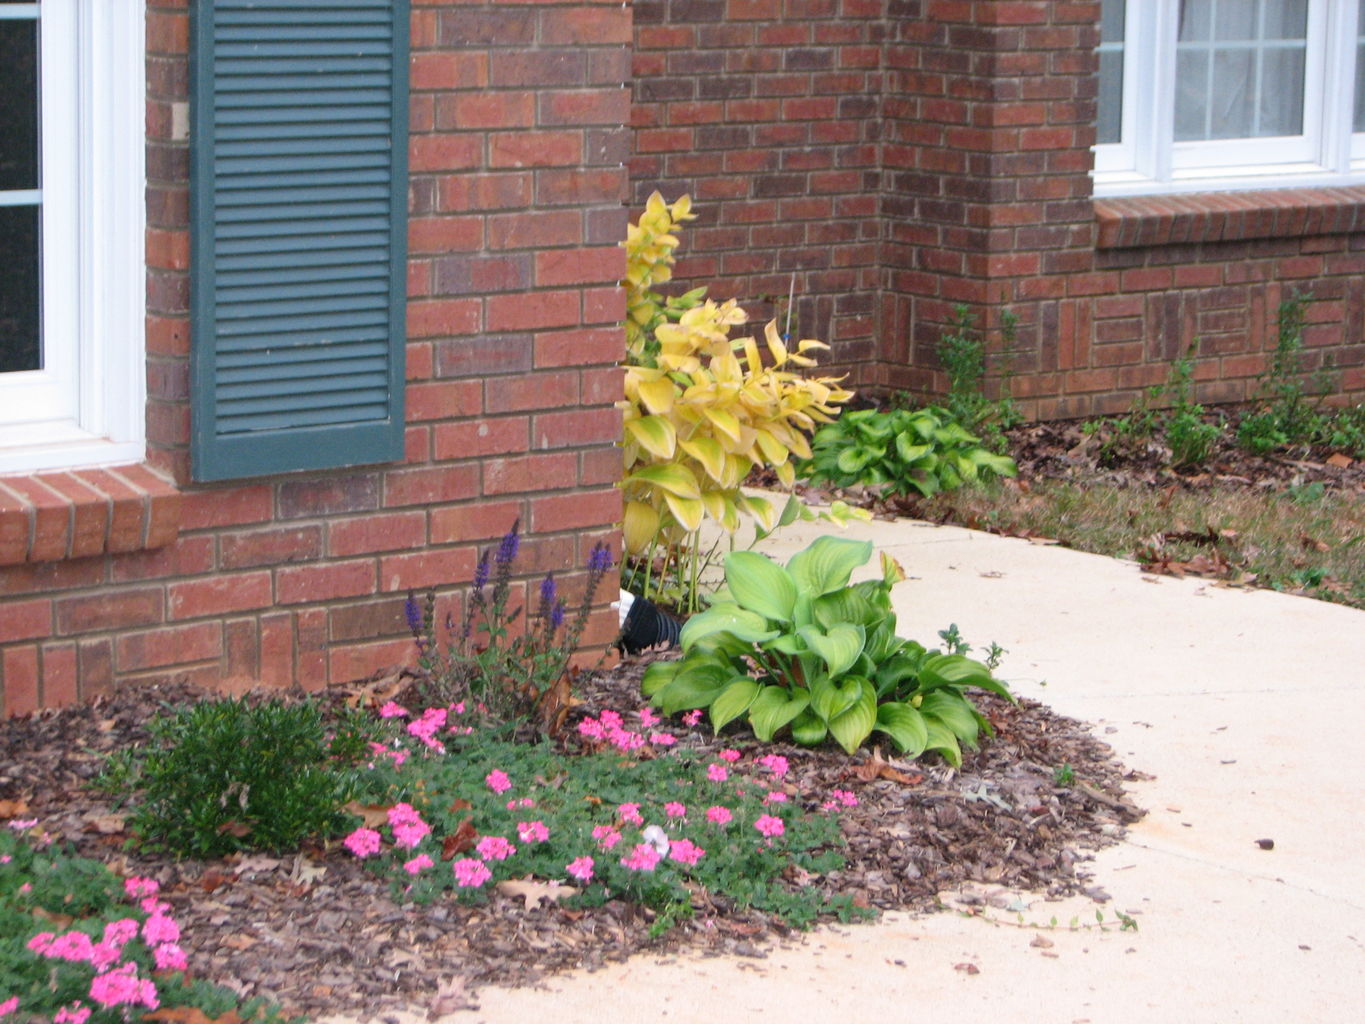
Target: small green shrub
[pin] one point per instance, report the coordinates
(801, 648)
(925, 451)
(1189, 437)
(228, 775)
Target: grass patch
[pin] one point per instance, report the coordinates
(1305, 540)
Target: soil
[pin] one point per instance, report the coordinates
(316, 932)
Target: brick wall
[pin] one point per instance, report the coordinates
(516, 155)
(767, 114)
(974, 119)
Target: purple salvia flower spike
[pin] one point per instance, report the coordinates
(511, 543)
(413, 612)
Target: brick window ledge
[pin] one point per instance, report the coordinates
(1128, 222)
(47, 517)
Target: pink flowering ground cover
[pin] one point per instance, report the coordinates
(111, 949)
(463, 811)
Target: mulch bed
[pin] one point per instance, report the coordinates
(319, 934)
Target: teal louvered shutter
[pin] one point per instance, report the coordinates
(299, 234)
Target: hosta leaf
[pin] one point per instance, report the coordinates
(905, 726)
(732, 702)
(689, 512)
(759, 584)
(808, 729)
(838, 648)
(845, 605)
(748, 626)
(695, 686)
(953, 670)
(775, 707)
(671, 479)
(954, 711)
(854, 460)
(942, 740)
(1001, 464)
(908, 450)
(829, 699)
(720, 506)
(654, 434)
(850, 728)
(709, 453)
(827, 564)
(640, 525)
(657, 675)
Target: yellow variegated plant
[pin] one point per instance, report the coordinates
(703, 409)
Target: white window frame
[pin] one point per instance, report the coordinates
(1147, 159)
(87, 406)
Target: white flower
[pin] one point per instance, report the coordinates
(657, 838)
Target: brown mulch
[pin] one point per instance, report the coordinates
(319, 934)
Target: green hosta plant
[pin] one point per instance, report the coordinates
(903, 450)
(801, 648)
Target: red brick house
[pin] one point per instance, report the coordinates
(1125, 178)
(263, 371)
(360, 366)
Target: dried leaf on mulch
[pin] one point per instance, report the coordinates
(318, 933)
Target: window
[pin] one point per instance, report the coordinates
(72, 290)
(1199, 95)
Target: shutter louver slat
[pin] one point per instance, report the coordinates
(300, 192)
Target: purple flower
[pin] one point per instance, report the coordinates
(600, 558)
(557, 616)
(547, 590)
(511, 542)
(481, 573)
(414, 615)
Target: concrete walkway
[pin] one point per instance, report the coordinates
(1248, 707)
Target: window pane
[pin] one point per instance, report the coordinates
(1192, 94)
(1230, 95)
(18, 103)
(1240, 69)
(1281, 110)
(19, 289)
(1360, 69)
(1112, 14)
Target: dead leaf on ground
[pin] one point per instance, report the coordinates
(880, 768)
(450, 997)
(462, 839)
(967, 968)
(532, 891)
(105, 824)
(13, 808)
(1340, 461)
(373, 815)
(191, 1015)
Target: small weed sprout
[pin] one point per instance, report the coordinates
(1064, 776)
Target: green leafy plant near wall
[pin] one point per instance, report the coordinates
(799, 647)
(924, 450)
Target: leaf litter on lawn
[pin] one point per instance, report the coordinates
(318, 933)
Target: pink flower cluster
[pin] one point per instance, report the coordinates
(532, 831)
(609, 727)
(770, 826)
(580, 868)
(684, 851)
(718, 815)
(643, 858)
(839, 798)
(497, 781)
(115, 983)
(494, 848)
(433, 720)
(775, 763)
(470, 873)
(607, 836)
(408, 827)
